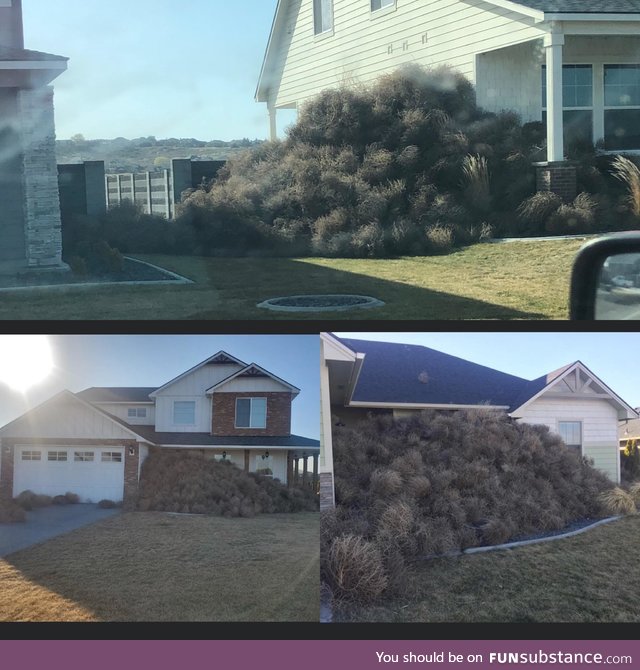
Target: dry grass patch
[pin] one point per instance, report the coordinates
(160, 567)
(586, 578)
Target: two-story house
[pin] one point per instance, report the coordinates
(574, 64)
(30, 227)
(93, 443)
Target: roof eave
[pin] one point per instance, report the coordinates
(419, 405)
(261, 90)
(590, 16)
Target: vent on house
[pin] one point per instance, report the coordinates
(221, 359)
(423, 378)
(424, 38)
(253, 372)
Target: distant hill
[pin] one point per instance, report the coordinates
(145, 153)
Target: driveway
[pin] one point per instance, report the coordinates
(47, 522)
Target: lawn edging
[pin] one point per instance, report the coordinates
(521, 543)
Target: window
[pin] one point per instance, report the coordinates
(184, 412)
(137, 412)
(381, 4)
(322, 16)
(264, 465)
(111, 457)
(571, 434)
(31, 455)
(577, 102)
(251, 413)
(621, 107)
(57, 456)
(83, 456)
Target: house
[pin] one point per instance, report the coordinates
(359, 377)
(629, 431)
(574, 64)
(93, 443)
(30, 226)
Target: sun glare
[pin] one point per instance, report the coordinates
(25, 360)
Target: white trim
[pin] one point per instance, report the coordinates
(560, 420)
(416, 405)
(536, 14)
(194, 368)
(33, 65)
(558, 16)
(173, 413)
(294, 389)
(250, 426)
(227, 447)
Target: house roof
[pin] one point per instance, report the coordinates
(263, 80)
(117, 394)
(629, 429)
(207, 440)
(404, 374)
(16, 54)
(583, 6)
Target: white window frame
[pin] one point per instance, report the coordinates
(264, 463)
(318, 17)
(108, 457)
(581, 424)
(383, 9)
(137, 412)
(31, 455)
(84, 456)
(183, 402)
(251, 413)
(56, 456)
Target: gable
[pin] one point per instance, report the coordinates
(67, 416)
(196, 380)
(252, 378)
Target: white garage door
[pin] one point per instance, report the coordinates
(93, 473)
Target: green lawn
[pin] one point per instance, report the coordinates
(516, 280)
(149, 566)
(591, 577)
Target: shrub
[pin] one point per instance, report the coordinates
(11, 512)
(536, 210)
(72, 498)
(354, 569)
(433, 482)
(627, 172)
(475, 170)
(60, 500)
(619, 501)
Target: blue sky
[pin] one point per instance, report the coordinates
(155, 67)
(611, 356)
(82, 361)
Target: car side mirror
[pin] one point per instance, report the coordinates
(605, 280)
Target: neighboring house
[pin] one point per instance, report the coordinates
(574, 64)
(629, 430)
(30, 228)
(94, 443)
(359, 377)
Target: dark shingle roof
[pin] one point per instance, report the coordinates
(407, 373)
(584, 6)
(206, 440)
(117, 394)
(14, 54)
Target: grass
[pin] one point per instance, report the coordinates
(159, 567)
(519, 280)
(588, 578)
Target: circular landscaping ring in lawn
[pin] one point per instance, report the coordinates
(320, 303)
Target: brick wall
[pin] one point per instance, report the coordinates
(40, 179)
(131, 463)
(6, 469)
(278, 414)
(326, 491)
(559, 178)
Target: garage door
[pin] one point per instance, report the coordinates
(93, 473)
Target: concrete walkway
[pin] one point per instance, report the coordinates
(47, 522)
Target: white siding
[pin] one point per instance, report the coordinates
(248, 384)
(164, 414)
(599, 426)
(121, 411)
(70, 421)
(198, 381)
(363, 45)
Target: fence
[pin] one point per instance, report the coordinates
(86, 189)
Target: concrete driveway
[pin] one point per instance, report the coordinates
(47, 522)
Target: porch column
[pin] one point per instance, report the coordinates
(246, 460)
(304, 471)
(289, 469)
(296, 469)
(315, 471)
(273, 126)
(553, 43)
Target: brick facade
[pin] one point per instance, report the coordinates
(278, 414)
(559, 178)
(131, 469)
(6, 469)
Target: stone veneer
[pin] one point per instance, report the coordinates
(43, 234)
(327, 500)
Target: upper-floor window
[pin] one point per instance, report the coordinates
(322, 16)
(184, 412)
(381, 4)
(137, 412)
(251, 413)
